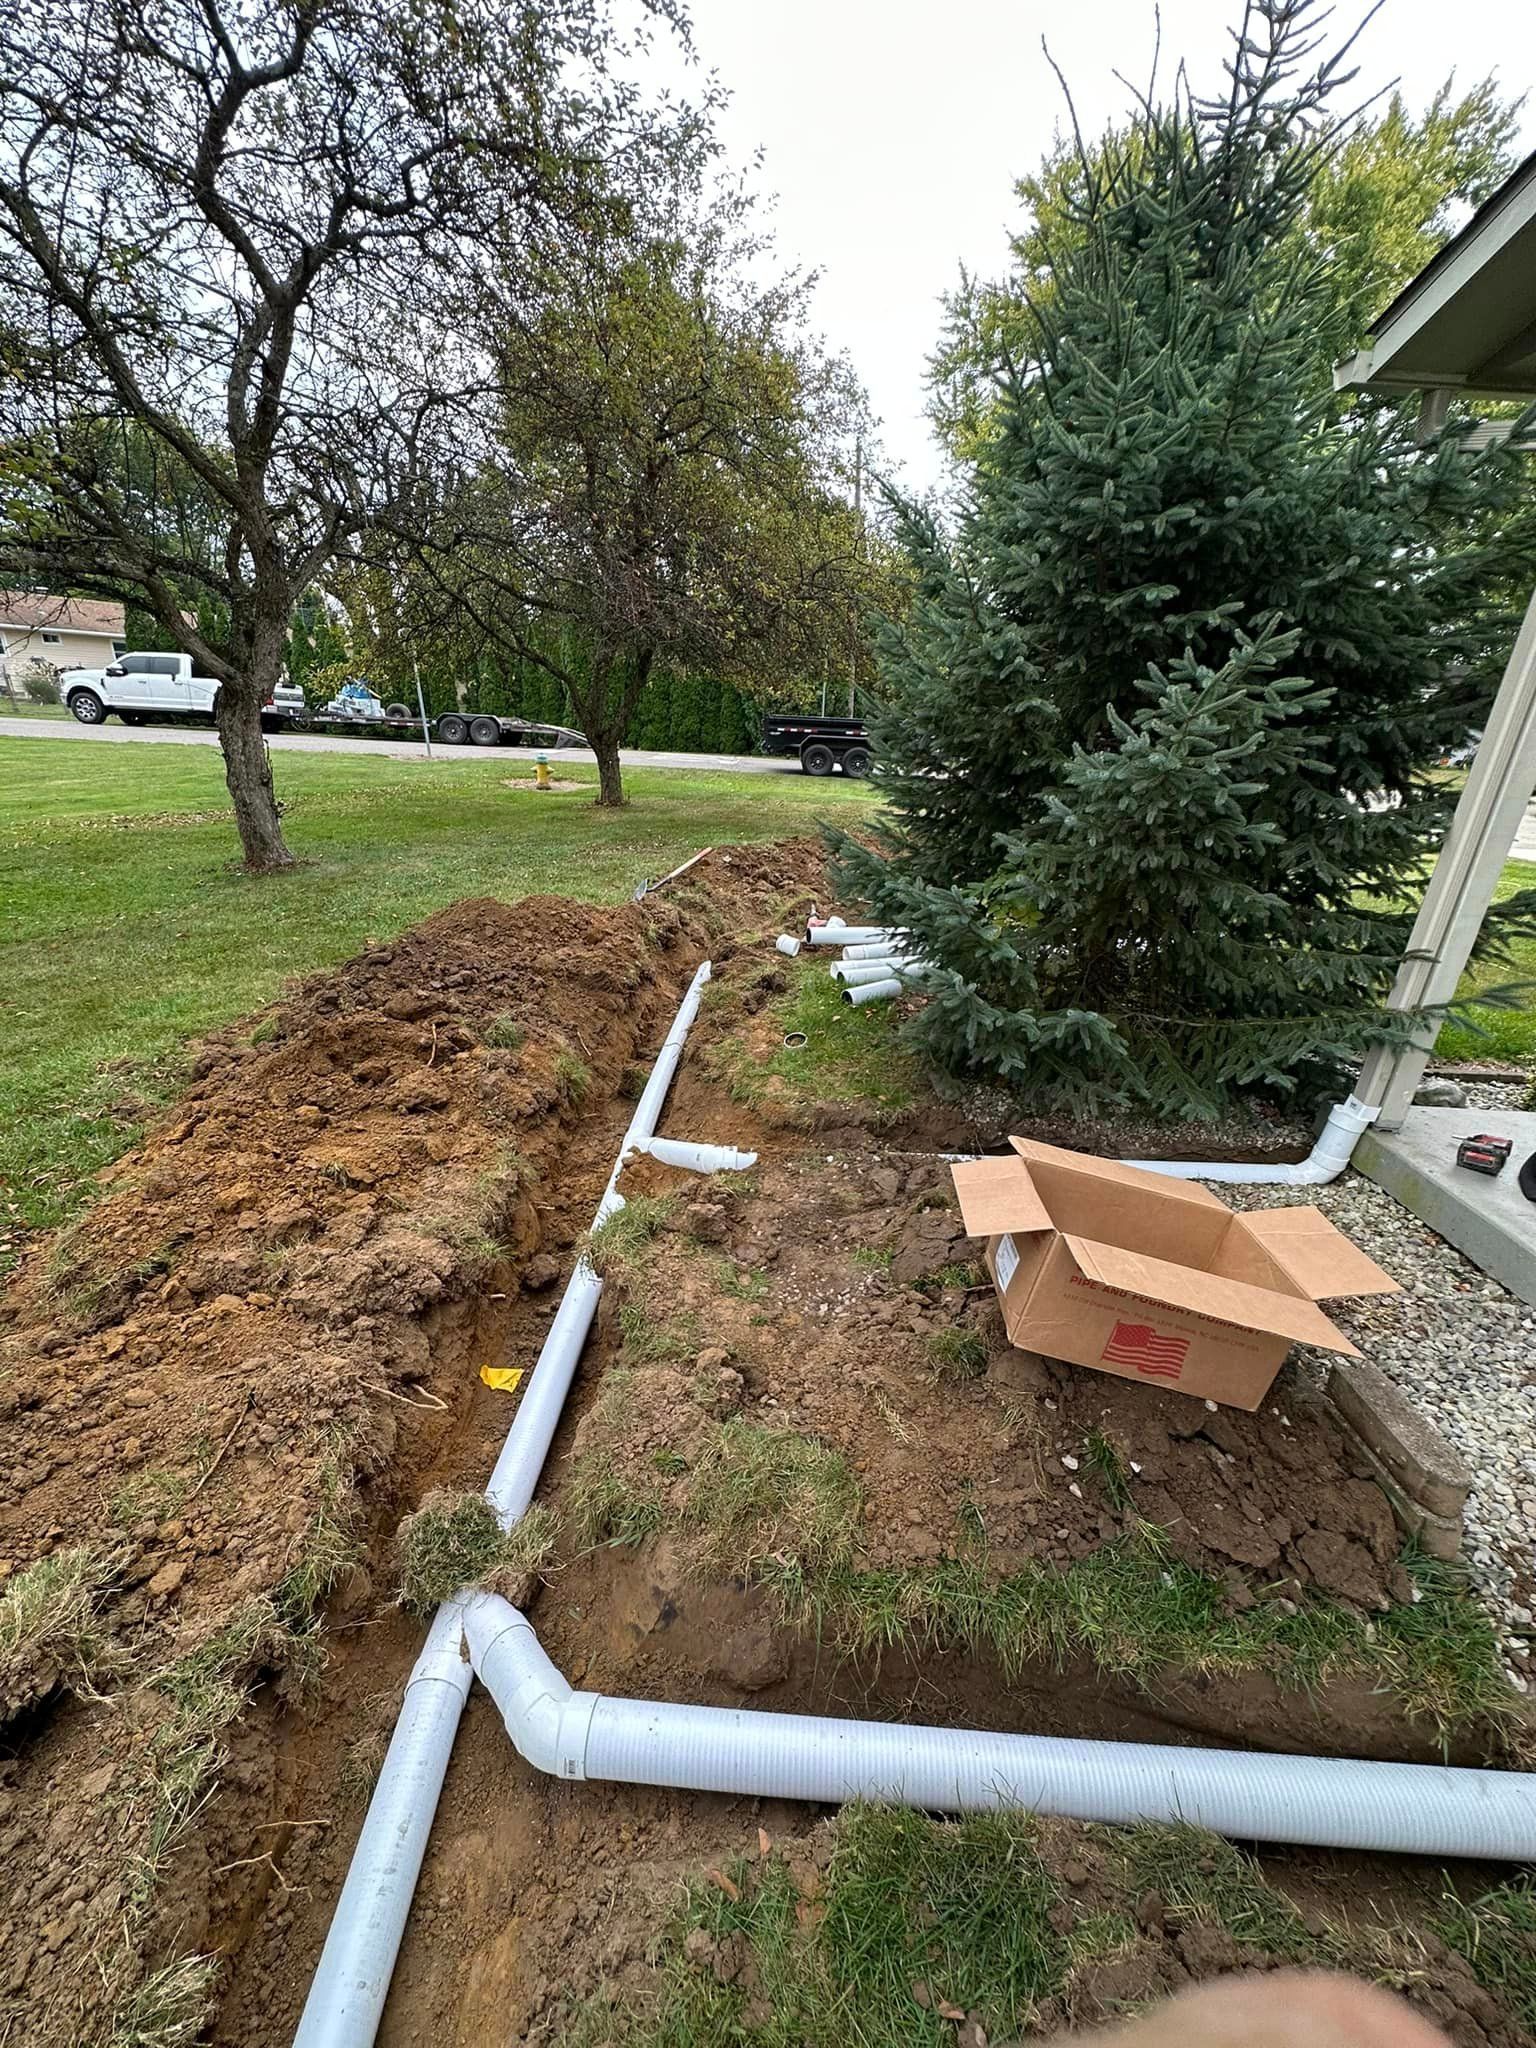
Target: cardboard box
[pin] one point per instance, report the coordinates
(1152, 1278)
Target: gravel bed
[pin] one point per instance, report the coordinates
(1463, 1349)
(1496, 1095)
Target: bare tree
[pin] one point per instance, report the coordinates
(221, 222)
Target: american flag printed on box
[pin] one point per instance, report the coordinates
(1146, 1350)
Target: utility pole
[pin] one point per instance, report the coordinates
(853, 616)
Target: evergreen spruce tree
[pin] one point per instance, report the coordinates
(1157, 725)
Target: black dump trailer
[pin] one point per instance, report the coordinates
(822, 743)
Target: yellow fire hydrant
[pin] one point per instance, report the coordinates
(541, 772)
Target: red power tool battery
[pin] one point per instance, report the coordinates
(1484, 1153)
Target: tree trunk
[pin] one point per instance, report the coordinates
(610, 777)
(247, 766)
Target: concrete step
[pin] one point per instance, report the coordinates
(1487, 1219)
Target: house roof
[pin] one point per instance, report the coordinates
(31, 611)
(1468, 320)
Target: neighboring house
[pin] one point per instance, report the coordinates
(66, 632)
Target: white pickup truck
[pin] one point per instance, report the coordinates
(162, 689)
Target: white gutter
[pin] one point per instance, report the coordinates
(1325, 1162)
(1325, 1802)
(351, 1981)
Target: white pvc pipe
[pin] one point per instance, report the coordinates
(694, 1158)
(876, 949)
(853, 974)
(847, 934)
(1325, 1162)
(873, 991)
(785, 944)
(352, 1976)
(346, 1998)
(1337, 1803)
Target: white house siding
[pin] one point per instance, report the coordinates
(62, 649)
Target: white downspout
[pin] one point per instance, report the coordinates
(1325, 1802)
(1325, 1162)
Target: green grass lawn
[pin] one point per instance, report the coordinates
(1496, 1032)
(128, 926)
(23, 707)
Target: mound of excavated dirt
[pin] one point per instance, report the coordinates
(234, 1371)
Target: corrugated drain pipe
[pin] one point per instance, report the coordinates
(1328, 1802)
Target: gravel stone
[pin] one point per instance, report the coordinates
(1462, 1348)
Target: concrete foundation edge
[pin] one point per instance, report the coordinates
(1455, 1216)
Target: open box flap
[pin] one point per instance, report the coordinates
(1111, 1170)
(1319, 1258)
(997, 1194)
(1206, 1294)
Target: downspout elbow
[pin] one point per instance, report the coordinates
(1324, 1163)
(547, 1721)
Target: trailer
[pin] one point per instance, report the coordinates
(822, 743)
(356, 707)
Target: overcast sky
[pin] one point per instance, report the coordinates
(892, 134)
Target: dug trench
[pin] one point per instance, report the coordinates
(800, 1468)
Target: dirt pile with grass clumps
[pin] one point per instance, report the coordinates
(222, 1385)
(454, 1540)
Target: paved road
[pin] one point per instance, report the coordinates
(397, 750)
(1524, 847)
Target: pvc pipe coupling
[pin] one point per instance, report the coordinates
(693, 1158)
